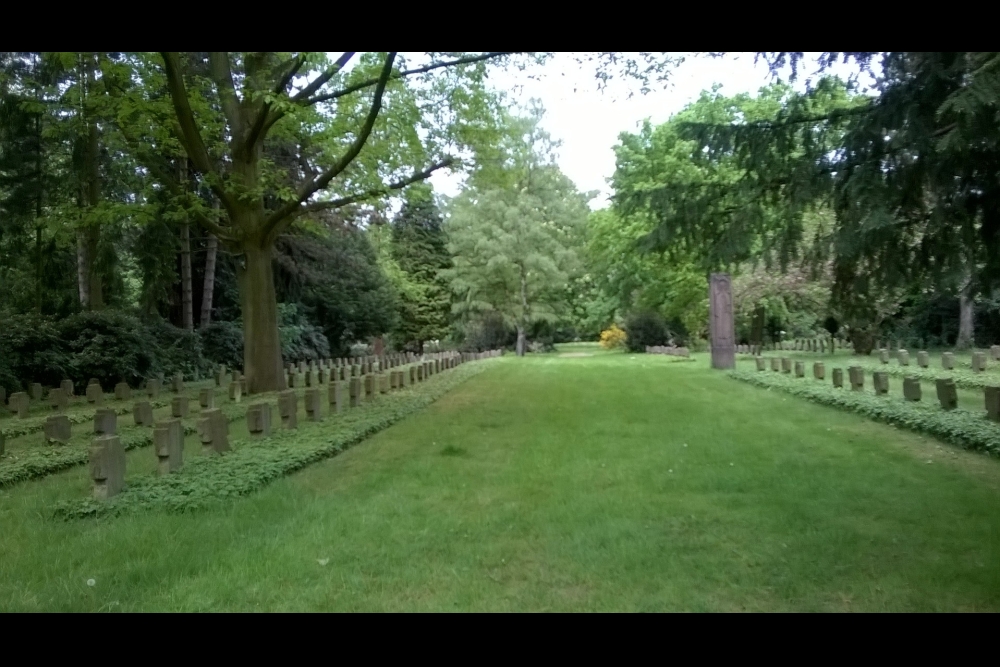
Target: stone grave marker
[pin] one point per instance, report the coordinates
(370, 387)
(819, 370)
(838, 377)
(314, 405)
(243, 386)
(786, 365)
(995, 352)
(123, 392)
(992, 396)
(36, 390)
(168, 445)
(67, 386)
(153, 387)
(883, 355)
(322, 376)
(420, 372)
(923, 359)
(213, 431)
(856, 375)
(105, 422)
(235, 392)
(93, 381)
(761, 363)
(58, 400)
(411, 373)
(880, 379)
(911, 388)
(95, 394)
(948, 360)
(800, 369)
(206, 398)
(775, 364)
(293, 380)
(288, 408)
(356, 391)
(220, 377)
(335, 396)
(903, 356)
(947, 393)
(179, 407)
(383, 383)
(107, 466)
(177, 383)
(57, 429)
(142, 412)
(259, 420)
(979, 361)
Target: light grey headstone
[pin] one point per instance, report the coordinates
(992, 396)
(259, 420)
(947, 393)
(923, 359)
(911, 388)
(179, 407)
(819, 370)
(107, 466)
(168, 445)
(838, 377)
(57, 429)
(880, 379)
(142, 412)
(314, 405)
(105, 422)
(58, 399)
(948, 360)
(288, 408)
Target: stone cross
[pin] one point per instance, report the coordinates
(314, 405)
(235, 392)
(259, 420)
(168, 444)
(142, 412)
(107, 466)
(57, 429)
(947, 393)
(105, 422)
(911, 388)
(153, 387)
(288, 408)
(213, 431)
(94, 394)
(67, 386)
(123, 392)
(206, 398)
(880, 379)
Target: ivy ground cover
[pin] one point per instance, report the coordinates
(604, 482)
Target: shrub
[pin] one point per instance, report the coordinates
(613, 338)
(30, 351)
(645, 329)
(222, 343)
(489, 332)
(107, 345)
(178, 350)
(300, 339)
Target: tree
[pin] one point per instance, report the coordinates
(513, 236)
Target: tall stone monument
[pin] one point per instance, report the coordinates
(722, 334)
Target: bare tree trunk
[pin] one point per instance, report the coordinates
(82, 268)
(520, 340)
(208, 289)
(966, 325)
(262, 363)
(524, 314)
(187, 314)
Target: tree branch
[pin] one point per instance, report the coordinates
(420, 70)
(189, 135)
(375, 192)
(312, 185)
(324, 77)
(222, 74)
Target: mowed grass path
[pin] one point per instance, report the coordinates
(610, 482)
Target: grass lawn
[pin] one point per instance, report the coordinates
(556, 482)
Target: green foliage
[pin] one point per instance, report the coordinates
(487, 331)
(222, 343)
(300, 340)
(254, 464)
(959, 427)
(644, 329)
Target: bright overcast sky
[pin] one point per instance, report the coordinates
(588, 122)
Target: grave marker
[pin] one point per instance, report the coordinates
(992, 396)
(206, 398)
(356, 391)
(123, 392)
(67, 386)
(800, 369)
(883, 355)
(235, 392)
(153, 387)
(36, 390)
(142, 412)
(880, 379)
(57, 429)
(177, 384)
(95, 394)
(948, 361)
(978, 362)
(313, 405)
(947, 393)
(213, 431)
(923, 359)
(856, 374)
(819, 370)
(903, 356)
(58, 399)
(105, 422)
(786, 365)
(288, 408)
(179, 407)
(911, 388)
(107, 466)
(168, 445)
(838, 377)
(259, 420)
(335, 396)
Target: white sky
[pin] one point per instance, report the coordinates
(587, 122)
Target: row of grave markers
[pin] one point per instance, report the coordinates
(947, 393)
(107, 456)
(947, 358)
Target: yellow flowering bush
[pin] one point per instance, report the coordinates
(613, 338)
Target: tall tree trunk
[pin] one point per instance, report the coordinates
(262, 363)
(524, 314)
(38, 210)
(187, 312)
(208, 289)
(520, 340)
(92, 172)
(83, 268)
(966, 326)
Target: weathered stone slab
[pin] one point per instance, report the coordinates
(923, 359)
(370, 389)
(979, 361)
(142, 413)
(67, 386)
(93, 381)
(243, 386)
(883, 355)
(259, 420)
(105, 422)
(383, 383)
(761, 363)
(880, 379)
(58, 399)
(206, 398)
(411, 374)
(357, 391)
(168, 445)
(288, 408)
(819, 370)
(856, 375)
(420, 372)
(903, 357)
(911, 388)
(179, 407)
(947, 393)
(123, 392)
(57, 429)
(335, 396)
(235, 392)
(995, 352)
(314, 405)
(992, 396)
(948, 360)
(153, 387)
(107, 466)
(213, 431)
(838, 377)
(293, 380)
(95, 394)
(775, 364)
(36, 391)
(800, 369)
(177, 383)
(786, 365)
